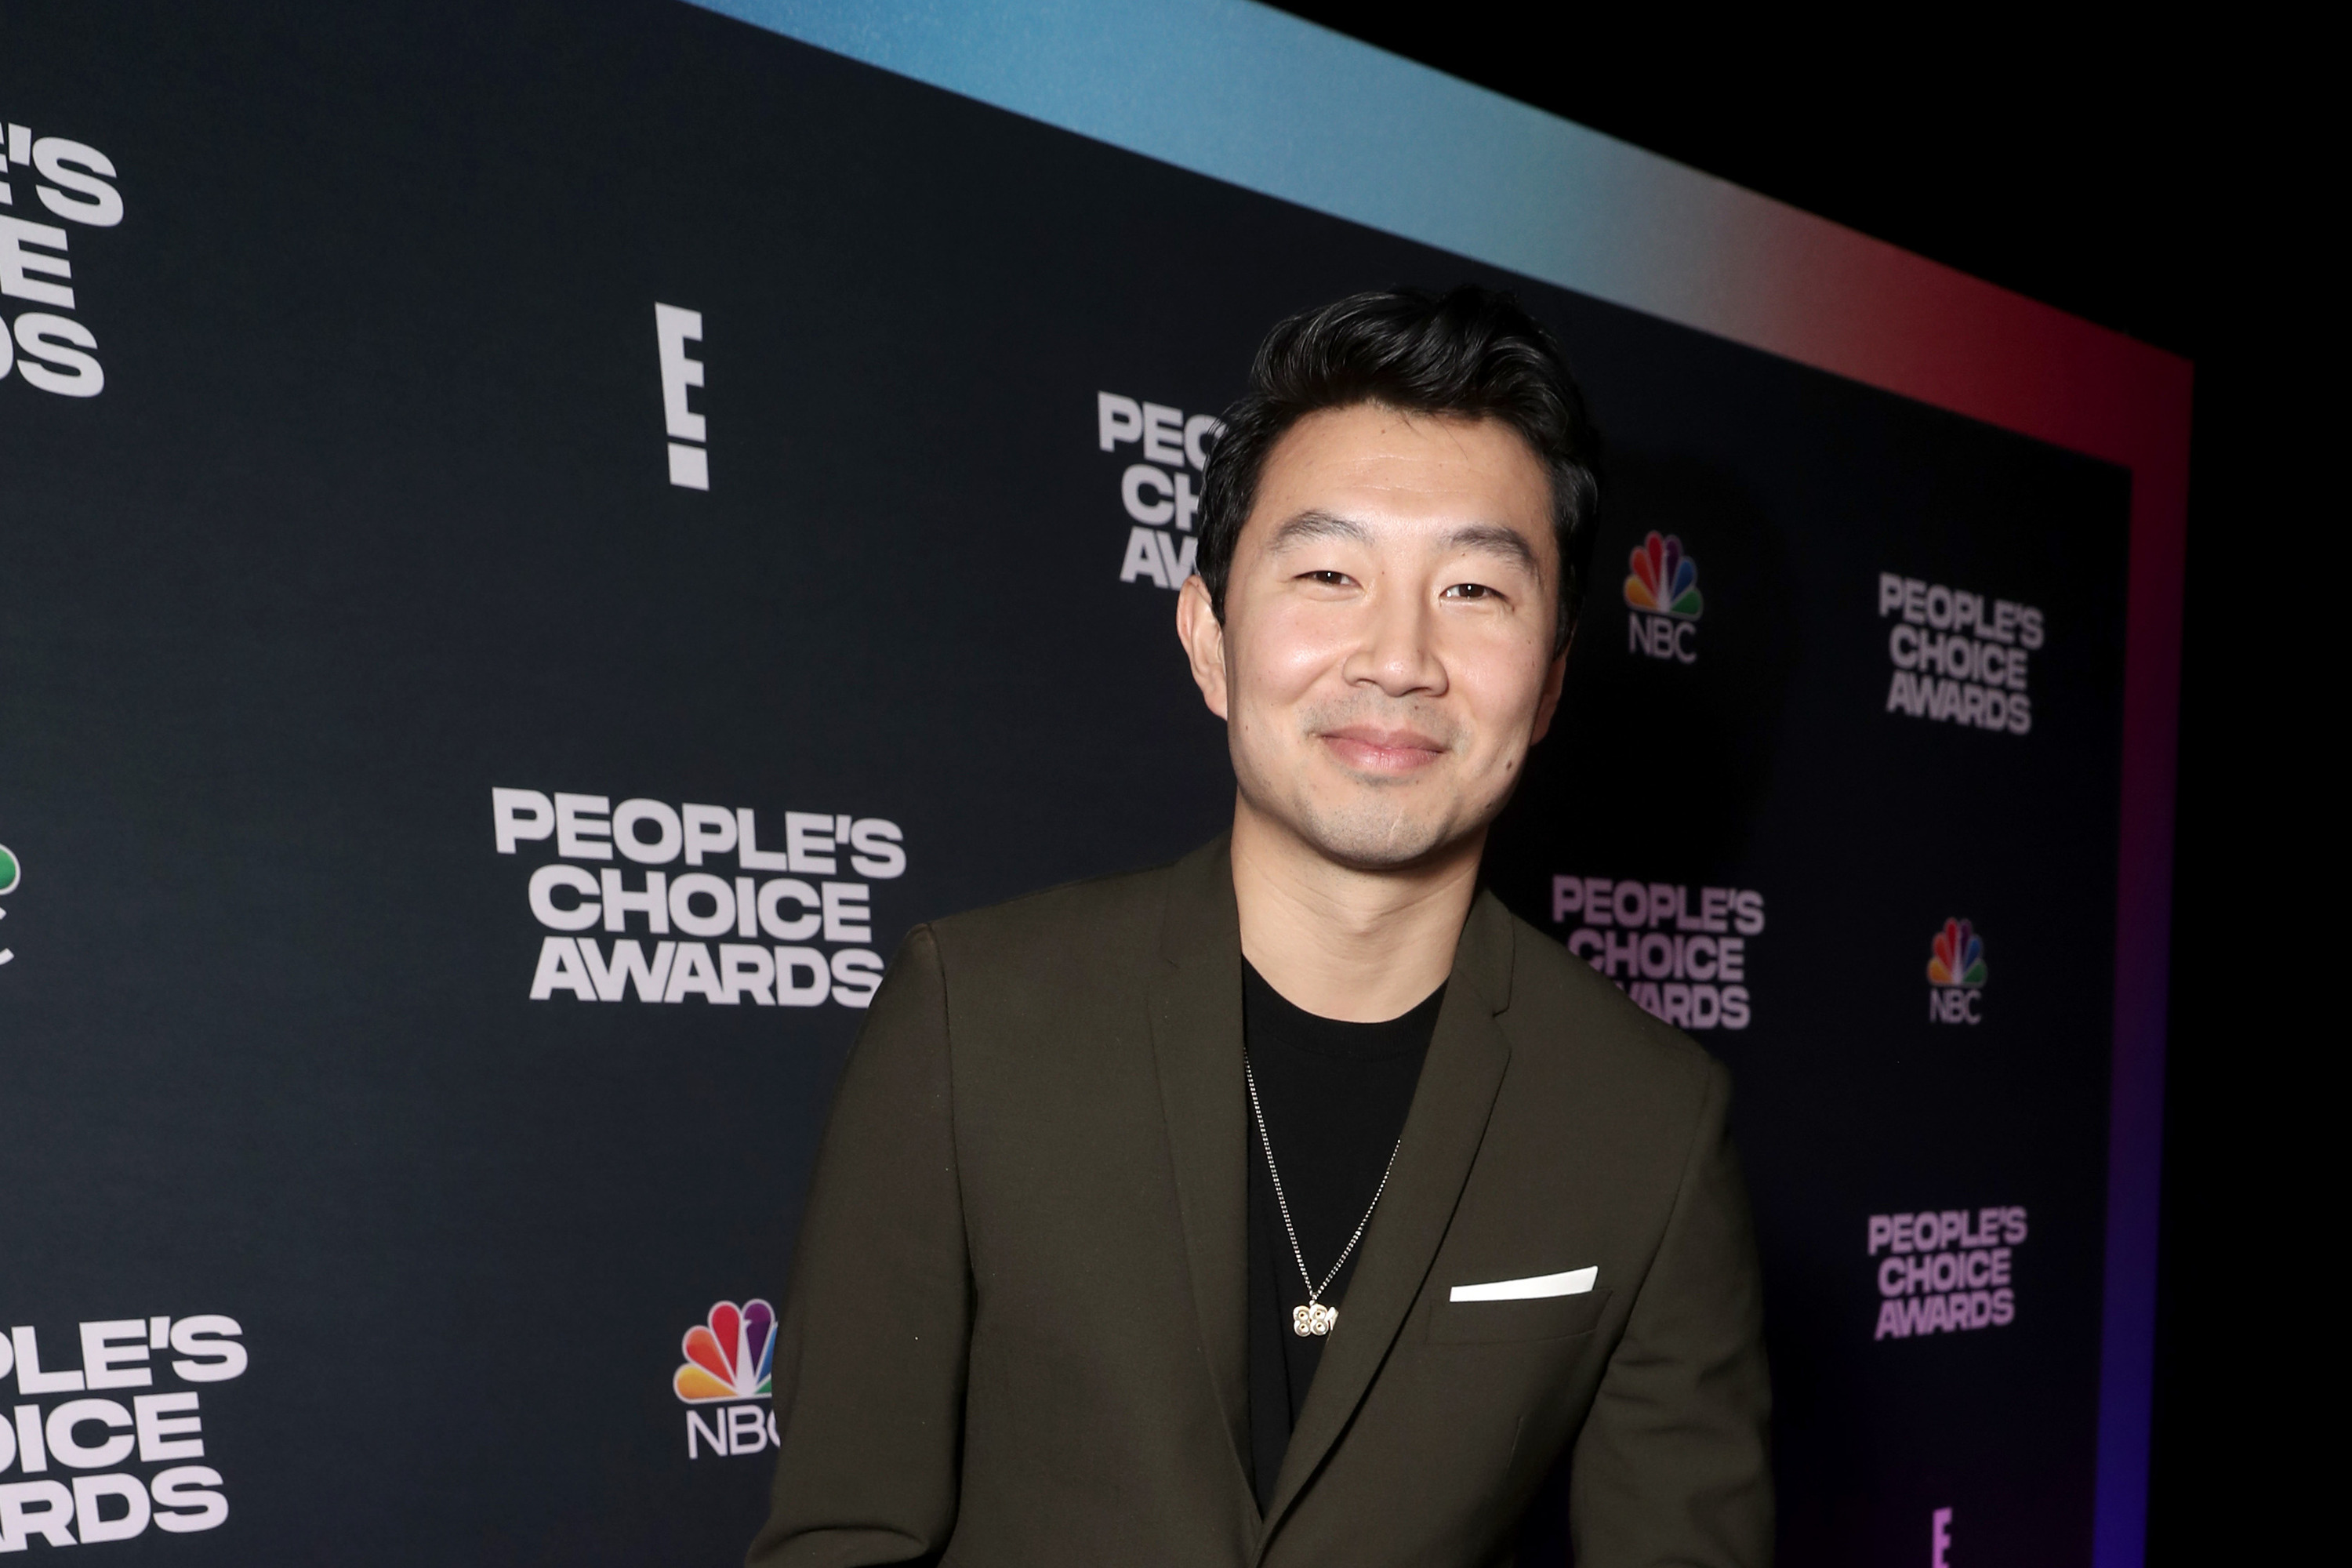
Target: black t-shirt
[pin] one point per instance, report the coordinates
(1335, 1096)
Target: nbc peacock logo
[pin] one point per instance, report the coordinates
(1665, 581)
(728, 1356)
(729, 1361)
(1959, 955)
(1662, 600)
(1956, 974)
(11, 873)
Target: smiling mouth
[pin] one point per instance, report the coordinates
(1376, 750)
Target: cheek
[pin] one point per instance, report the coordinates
(1502, 691)
(1286, 652)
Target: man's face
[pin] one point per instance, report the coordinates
(1386, 656)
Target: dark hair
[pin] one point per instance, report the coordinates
(1472, 353)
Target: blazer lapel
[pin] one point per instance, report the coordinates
(1196, 1034)
(1467, 1055)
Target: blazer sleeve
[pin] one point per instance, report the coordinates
(1674, 1465)
(871, 1347)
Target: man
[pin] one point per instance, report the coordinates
(1295, 1204)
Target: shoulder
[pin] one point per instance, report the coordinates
(1095, 928)
(1566, 1016)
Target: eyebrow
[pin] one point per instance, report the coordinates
(1483, 538)
(1313, 525)
(1494, 538)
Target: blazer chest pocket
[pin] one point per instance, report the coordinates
(1502, 1323)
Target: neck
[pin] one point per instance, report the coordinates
(1341, 943)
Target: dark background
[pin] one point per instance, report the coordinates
(2149, 177)
(292, 547)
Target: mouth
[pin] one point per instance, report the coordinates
(1370, 749)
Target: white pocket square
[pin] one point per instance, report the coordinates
(1575, 1282)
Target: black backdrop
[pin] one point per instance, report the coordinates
(373, 517)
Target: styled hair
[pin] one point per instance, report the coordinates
(1472, 353)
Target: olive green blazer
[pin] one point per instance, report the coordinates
(1014, 1336)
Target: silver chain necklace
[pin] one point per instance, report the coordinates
(1314, 1318)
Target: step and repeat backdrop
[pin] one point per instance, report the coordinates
(538, 541)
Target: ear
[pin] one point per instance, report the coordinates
(1549, 703)
(1204, 642)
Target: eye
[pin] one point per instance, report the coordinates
(1470, 591)
(1327, 578)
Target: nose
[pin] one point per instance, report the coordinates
(1398, 651)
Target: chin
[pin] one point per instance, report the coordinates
(1374, 838)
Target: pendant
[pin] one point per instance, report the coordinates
(1313, 1319)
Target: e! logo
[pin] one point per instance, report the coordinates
(689, 450)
